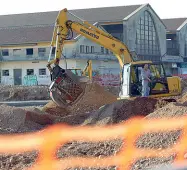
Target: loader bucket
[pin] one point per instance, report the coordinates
(67, 89)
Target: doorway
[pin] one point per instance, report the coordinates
(17, 76)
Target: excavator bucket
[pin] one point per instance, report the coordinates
(67, 88)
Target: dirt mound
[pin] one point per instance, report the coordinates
(123, 110)
(162, 140)
(94, 98)
(183, 97)
(21, 93)
(15, 120)
(11, 118)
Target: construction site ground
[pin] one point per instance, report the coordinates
(99, 106)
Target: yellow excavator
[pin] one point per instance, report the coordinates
(67, 88)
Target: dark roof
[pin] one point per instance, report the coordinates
(48, 18)
(38, 27)
(173, 23)
(25, 34)
(20, 35)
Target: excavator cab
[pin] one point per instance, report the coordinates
(161, 85)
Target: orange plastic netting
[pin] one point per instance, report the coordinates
(47, 142)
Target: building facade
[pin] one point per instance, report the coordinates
(25, 43)
(175, 45)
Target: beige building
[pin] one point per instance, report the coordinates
(25, 41)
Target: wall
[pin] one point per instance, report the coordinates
(24, 65)
(96, 55)
(22, 56)
(104, 72)
(130, 25)
(182, 38)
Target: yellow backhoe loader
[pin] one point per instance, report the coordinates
(67, 88)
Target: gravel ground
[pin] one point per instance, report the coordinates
(117, 112)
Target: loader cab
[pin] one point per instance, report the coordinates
(132, 81)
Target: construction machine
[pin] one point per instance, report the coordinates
(67, 88)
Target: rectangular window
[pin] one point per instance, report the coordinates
(142, 51)
(92, 49)
(87, 49)
(107, 51)
(5, 72)
(30, 72)
(81, 48)
(138, 31)
(146, 33)
(41, 50)
(5, 52)
(29, 51)
(102, 50)
(142, 32)
(146, 24)
(42, 71)
(16, 52)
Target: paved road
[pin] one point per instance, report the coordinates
(26, 103)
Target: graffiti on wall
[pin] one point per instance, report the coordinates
(30, 80)
(106, 79)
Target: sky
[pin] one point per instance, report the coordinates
(164, 8)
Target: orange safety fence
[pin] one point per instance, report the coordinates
(48, 141)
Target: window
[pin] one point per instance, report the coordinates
(5, 72)
(53, 50)
(172, 47)
(81, 48)
(29, 51)
(146, 37)
(159, 68)
(42, 71)
(102, 50)
(41, 50)
(87, 49)
(92, 49)
(30, 72)
(5, 52)
(16, 52)
(107, 52)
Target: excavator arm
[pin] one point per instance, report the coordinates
(63, 28)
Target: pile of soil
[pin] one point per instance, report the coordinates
(22, 93)
(123, 110)
(95, 97)
(18, 120)
(162, 140)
